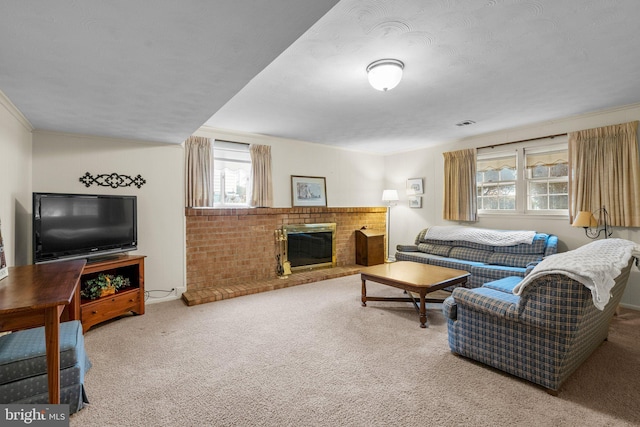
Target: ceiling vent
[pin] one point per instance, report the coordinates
(465, 123)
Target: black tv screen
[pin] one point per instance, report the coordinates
(70, 226)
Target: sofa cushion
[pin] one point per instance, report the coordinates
(430, 248)
(537, 247)
(505, 285)
(488, 273)
(513, 260)
(470, 254)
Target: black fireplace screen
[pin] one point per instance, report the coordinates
(309, 248)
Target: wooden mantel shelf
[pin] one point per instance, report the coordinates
(280, 211)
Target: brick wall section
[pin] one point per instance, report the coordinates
(230, 246)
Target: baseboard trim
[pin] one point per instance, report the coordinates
(630, 306)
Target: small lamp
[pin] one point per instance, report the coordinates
(389, 196)
(385, 74)
(587, 220)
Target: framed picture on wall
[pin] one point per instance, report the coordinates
(414, 186)
(308, 191)
(415, 201)
(4, 270)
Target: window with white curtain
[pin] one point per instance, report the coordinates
(547, 176)
(231, 174)
(496, 181)
(528, 177)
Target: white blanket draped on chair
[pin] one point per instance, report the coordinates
(595, 265)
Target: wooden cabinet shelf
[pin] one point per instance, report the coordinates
(126, 300)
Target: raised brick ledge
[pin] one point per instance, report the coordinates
(279, 211)
(217, 293)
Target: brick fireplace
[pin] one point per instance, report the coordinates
(227, 249)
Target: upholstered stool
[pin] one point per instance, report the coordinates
(23, 366)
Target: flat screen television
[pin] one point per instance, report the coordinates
(73, 226)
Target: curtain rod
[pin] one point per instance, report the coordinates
(231, 142)
(522, 140)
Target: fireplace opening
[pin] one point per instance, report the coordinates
(310, 246)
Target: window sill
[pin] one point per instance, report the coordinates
(523, 215)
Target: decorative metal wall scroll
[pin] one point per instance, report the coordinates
(112, 180)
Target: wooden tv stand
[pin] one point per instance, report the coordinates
(127, 300)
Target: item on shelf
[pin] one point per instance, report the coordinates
(103, 285)
(125, 301)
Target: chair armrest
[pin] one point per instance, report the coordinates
(407, 248)
(450, 308)
(552, 245)
(530, 267)
(487, 300)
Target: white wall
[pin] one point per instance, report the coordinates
(353, 178)
(15, 183)
(59, 160)
(428, 163)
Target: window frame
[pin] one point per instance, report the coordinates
(230, 147)
(504, 154)
(519, 149)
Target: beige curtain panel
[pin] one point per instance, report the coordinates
(262, 191)
(460, 203)
(199, 172)
(604, 170)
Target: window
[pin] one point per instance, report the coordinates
(231, 172)
(496, 182)
(541, 188)
(547, 176)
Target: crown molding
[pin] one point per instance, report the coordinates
(257, 138)
(13, 110)
(561, 125)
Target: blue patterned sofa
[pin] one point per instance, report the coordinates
(485, 262)
(541, 330)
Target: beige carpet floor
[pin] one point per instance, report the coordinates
(310, 355)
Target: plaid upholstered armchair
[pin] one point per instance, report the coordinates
(544, 333)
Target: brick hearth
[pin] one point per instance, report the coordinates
(232, 252)
(217, 293)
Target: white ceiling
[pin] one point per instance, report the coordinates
(151, 70)
(156, 71)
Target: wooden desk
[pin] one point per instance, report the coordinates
(36, 295)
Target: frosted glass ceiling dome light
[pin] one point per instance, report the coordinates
(385, 74)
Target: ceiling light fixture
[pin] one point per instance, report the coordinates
(385, 74)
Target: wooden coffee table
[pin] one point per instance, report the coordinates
(411, 277)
